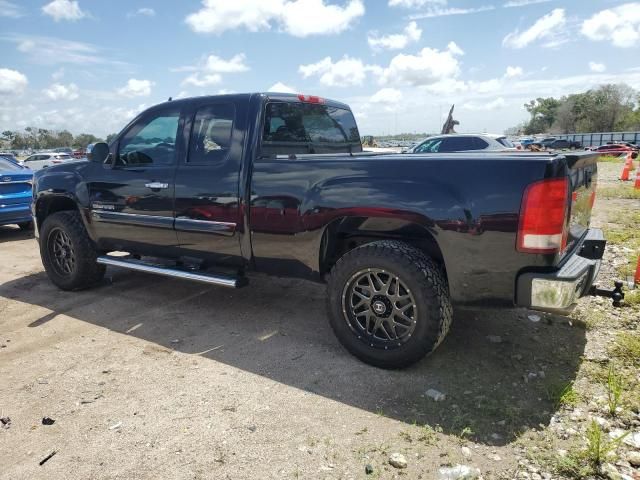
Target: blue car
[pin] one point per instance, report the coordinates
(15, 194)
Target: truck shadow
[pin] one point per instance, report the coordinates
(277, 328)
(10, 233)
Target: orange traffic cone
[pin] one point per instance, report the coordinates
(624, 176)
(636, 278)
(629, 161)
(637, 184)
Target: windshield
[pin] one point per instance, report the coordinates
(429, 146)
(505, 142)
(8, 166)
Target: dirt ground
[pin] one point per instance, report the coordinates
(149, 377)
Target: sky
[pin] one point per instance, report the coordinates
(90, 66)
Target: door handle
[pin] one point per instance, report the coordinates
(156, 185)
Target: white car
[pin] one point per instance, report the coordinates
(463, 142)
(42, 160)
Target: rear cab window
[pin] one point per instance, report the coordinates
(292, 128)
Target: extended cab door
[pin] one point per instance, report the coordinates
(208, 219)
(132, 196)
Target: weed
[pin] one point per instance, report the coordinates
(610, 159)
(627, 348)
(363, 431)
(406, 436)
(619, 191)
(466, 432)
(615, 388)
(598, 447)
(586, 462)
(632, 297)
(562, 395)
(429, 434)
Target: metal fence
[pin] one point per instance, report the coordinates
(595, 139)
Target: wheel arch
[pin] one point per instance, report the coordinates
(347, 233)
(49, 204)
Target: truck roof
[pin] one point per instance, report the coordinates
(288, 97)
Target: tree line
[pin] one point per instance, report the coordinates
(608, 108)
(32, 138)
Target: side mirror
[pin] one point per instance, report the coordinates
(99, 153)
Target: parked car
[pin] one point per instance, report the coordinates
(614, 149)
(67, 150)
(526, 141)
(220, 187)
(557, 144)
(15, 194)
(462, 142)
(46, 159)
(79, 153)
(10, 155)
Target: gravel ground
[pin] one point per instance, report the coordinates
(148, 377)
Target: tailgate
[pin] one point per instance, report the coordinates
(583, 178)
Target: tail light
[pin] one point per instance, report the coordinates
(543, 217)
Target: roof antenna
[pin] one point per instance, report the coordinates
(170, 98)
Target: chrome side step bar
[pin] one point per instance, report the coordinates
(221, 280)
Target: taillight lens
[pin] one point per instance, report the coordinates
(543, 217)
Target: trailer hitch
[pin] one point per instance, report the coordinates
(617, 295)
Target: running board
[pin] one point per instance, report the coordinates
(221, 280)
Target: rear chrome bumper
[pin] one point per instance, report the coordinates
(559, 291)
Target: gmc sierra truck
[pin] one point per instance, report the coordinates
(214, 188)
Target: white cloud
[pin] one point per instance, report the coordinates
(280, 87)
(12, 82)
(343, 73)
(440, 9)
(58, 74)
(209, 70)
(514, 72)
(52, 50)
(142, 12)
(597, 67)
(10, 9)
(64, 10)
(619, 25)
(415, 3)
(300, 18)
(523, 3)
(427, 67)
(136, 88)
(545, 28)
(386, 96)
(203, 80)
(397, 41)
(496, 104)
(58, 91)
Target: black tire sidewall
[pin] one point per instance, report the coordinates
(426, 334)
(85, 268)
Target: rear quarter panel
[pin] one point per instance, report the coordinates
(468, 203)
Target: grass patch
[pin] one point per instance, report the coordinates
(615, 388)
(610, 159)
(587, 461)
(620, 191)
(628, 268)
(627, 348)
(562, 395)
(632, 297)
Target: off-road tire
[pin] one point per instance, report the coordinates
(423, 277)
(85, 272)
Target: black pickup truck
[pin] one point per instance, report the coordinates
(214, 188)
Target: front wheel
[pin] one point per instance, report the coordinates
(389, 304)
(68, 254)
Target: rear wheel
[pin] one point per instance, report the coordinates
(68, 254)
(389, 304)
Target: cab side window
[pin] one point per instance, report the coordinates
(211, 134)
(151, 141)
